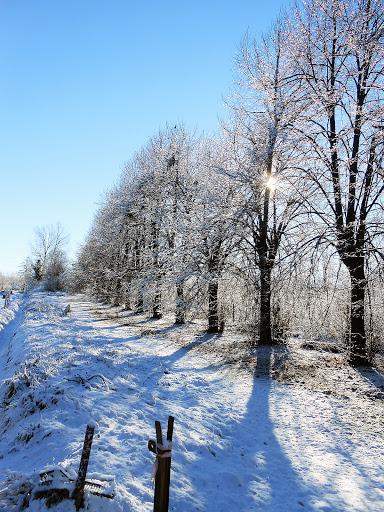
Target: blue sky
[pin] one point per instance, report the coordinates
(84, 83)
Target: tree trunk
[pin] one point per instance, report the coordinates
(213, 316)
(180, 307)
(117, 293)
(139, 302)
(127, 298)
(357, 336)
(157, 302)
(156, 309)
(265, 331)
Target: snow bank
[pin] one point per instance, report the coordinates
(9, 313)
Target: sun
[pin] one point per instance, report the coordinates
(271, 183)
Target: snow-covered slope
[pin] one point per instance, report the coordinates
(242, 441)
(9, 313)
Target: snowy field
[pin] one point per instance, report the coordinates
(242, 441)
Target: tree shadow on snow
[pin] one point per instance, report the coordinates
(374, 378)
(242, 465)
(184, 350)
(170, 328)
(273, 483)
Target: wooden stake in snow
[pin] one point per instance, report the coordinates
(162, 468)
(78, 493)
(55, 484)
(7, 298)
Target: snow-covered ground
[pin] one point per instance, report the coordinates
(242, 441)
(7, 314)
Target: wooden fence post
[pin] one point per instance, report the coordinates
(78, 493)
(7, 298)
(158, 505)
(167, 468)
(163, 454)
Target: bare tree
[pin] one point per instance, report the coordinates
(264, 107)
(49, 260)
(337, 47)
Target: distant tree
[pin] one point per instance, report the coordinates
(38, 272)
(49, 262)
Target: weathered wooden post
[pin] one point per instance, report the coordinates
(7, 298)
(163, 452)
(167, 468)
(78, 493)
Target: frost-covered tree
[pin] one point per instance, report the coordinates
(264, 106)
(214, 234)
(48, 261)
(165, 227)
(337, 49)
(277, 212)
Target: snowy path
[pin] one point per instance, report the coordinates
(242, 441)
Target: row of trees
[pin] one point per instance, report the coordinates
(294, 182)
(168, 224)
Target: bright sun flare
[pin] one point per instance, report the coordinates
(271, 183)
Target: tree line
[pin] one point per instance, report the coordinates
(280, 216)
